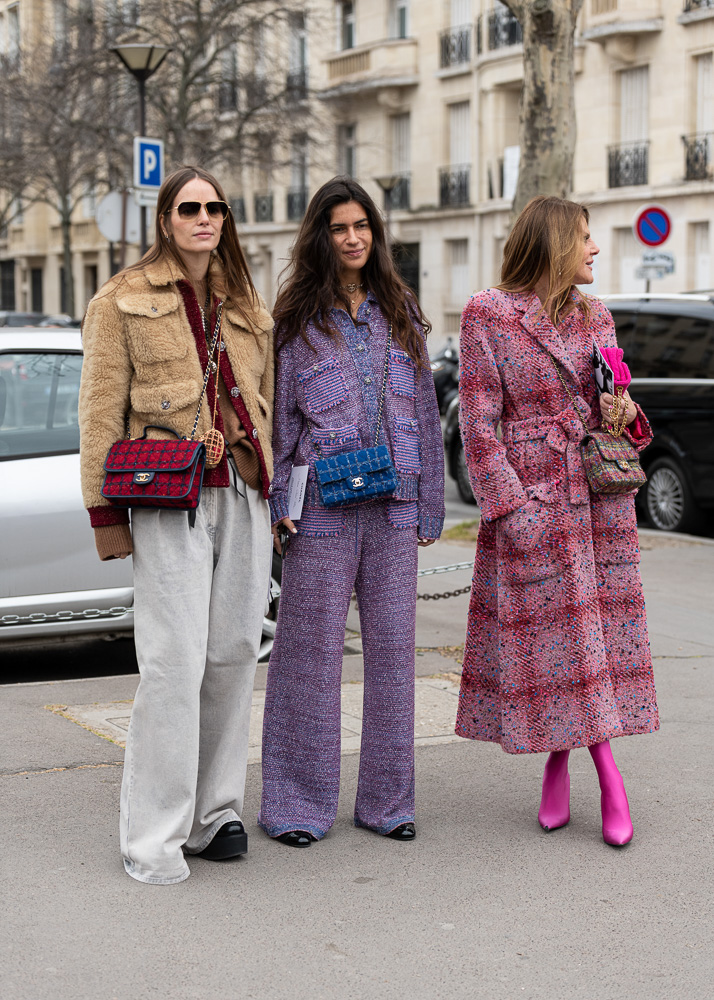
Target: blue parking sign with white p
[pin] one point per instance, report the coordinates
(148, 163)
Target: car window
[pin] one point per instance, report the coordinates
(673, 346)
(38, 404)
(625, 322)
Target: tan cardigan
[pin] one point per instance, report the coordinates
(141, 366)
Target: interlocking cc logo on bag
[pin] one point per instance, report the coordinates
(142, 478)
(357, 482)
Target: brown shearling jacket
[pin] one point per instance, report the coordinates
(141, 367)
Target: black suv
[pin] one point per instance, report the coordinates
(668, 342)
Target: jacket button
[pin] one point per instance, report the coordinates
(270, 489)
(222, 347)
(235, 391)
(332, 434)
(368, 381)
(165, 404)
(255, 433)
(360, 347)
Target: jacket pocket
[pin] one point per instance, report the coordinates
(527, 538)
(160, 400)
(406, 446)
(323, 384)
(321, 522)
(402, 374)
(334, 440)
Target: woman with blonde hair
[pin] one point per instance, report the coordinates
(186, 319)
(557, 654)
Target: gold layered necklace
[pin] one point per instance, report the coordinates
(351, 288)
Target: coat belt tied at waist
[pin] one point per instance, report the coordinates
(563, 432)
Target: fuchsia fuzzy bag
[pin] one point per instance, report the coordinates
(620, 371)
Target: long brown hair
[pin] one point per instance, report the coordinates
(312, 286)
(546, 239)
(238, 289)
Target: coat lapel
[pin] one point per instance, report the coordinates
(537, 323)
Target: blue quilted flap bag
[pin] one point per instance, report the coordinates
(355, 476)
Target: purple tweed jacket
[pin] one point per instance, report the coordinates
(335, 384)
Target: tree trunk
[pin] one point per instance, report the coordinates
(547, 119)
(66, 223)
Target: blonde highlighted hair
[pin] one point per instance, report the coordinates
(546, 240)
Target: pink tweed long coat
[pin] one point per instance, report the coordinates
(557, 654)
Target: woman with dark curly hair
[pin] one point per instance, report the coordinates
(351, 345)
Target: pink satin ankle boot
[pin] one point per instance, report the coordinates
(616, 822)
(554, 809)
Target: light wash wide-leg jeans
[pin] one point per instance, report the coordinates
(200, 596)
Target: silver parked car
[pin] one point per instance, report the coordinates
(51, 580)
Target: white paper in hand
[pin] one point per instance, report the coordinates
(296, 490)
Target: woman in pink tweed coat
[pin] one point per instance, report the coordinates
(557, 654)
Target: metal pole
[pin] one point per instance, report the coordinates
(142, 130)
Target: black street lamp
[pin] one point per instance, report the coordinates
(142, 61)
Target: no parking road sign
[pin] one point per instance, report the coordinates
(148, 163)
(652, 225)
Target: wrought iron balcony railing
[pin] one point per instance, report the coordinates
(398, 197)
(456, 47)
(690, 5)
(296, 203)
(627, 164)
(699, 156)
(263, 206)
(454, 186)
(503, 29)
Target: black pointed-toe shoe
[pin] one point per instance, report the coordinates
(407, 831)
(230, 841)
(295, 838)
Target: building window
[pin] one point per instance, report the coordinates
(456, 40)
(89, 200)
(699, 145)
(457, 262)
(700, 277)
(12, 39)
(400, 130)
(398, 18)
(297, 193)
(347, 150)
(628, 159)
(228, 82)
(297, 58)
(346, 35)
(238, 209)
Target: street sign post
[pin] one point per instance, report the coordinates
(148, 163)
(148, 176)
(652, 226)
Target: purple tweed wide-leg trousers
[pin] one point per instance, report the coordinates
(301, 731)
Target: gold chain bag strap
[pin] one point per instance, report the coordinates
(611, 463)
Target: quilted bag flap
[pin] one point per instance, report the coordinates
(335, 468)
(149, 455)
(612, 449)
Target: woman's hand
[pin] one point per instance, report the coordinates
(276, 537)
(423, 542)
(606, 408)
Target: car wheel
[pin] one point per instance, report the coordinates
(463, 483)
(270, 620)
(668, 500)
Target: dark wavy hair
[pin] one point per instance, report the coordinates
(546, 239)
(237, 287)
(312, 285)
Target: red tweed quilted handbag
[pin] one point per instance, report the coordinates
(146, 472)
(168, 473)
